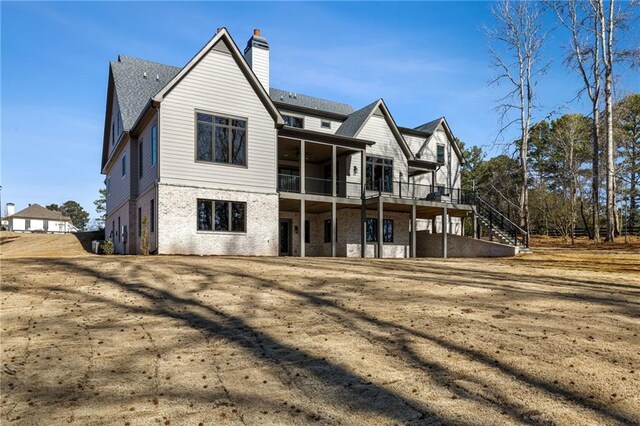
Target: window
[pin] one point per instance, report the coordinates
(307, 231)
(327, 230)
(379, 171)
(118, 231)
(152, 215)
(124, 165)
(27, 224)
(325, 124)
(372, 230)
(141, 156)
(139, 221)
(221, 140)
(293, 121)
(154, 145)
(225, 216)
(440, 154)
(113, 227)
(45, 225)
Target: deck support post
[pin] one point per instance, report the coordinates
(334, 229)
(363, 206)
(303, 173)
(303, 229)
(474, 225)
(445, 229)
(334, 172)
(380, 229)
(413, 229)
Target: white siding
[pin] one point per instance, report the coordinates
(115, 123)
(216, 85)
(258, 60)
(119, 187)
(386, 146)
(315, 123)
(54, 226)
(150, 172)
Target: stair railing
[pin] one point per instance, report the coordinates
(498, 220)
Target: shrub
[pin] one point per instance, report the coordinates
(108, 247)
(145, 243)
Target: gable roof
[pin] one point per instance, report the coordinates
(136, 94)
(354, 123)
(430, 128)
(223, 36)
(36, 211)
(309, 102)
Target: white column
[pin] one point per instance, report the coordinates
(303, 173)
(445, 229)
(363, 206)
(413, 229)
(380, 227)
(334, 173)
(303, 230)
(334, 229)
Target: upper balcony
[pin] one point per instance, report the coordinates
(326, 166)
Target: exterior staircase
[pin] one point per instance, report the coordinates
(500, 227)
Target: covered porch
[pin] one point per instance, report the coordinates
(378, 227)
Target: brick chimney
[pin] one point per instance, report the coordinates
(257, 55)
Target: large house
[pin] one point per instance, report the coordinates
(216, 162)
(36, 218)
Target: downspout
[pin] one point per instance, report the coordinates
(156, 106)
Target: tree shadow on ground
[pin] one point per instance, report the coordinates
(341, 385)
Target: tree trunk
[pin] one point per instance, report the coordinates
(606, 38)
(584, 220)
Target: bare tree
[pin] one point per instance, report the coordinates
(518, 36)
(605, 38)
(584, 51)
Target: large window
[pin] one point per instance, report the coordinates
(440, 154)
(372, 230)
(327, 230)
(154, 145)
(307, 231)
(293, 121)
(225, 216)
(379, 174)
(221, 140)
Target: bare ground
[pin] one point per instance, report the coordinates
(548, 338)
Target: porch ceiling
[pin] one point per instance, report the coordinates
(315, 153)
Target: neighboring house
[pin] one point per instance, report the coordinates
(220, 163)
(36, 218)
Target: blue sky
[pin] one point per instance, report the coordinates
(425, 59)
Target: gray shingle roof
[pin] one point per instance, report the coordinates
(305, 101)
(354, 122)
(133, 89)
(429, 127)
(36, 211)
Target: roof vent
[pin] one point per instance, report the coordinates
(144, 75)
(295, 96)
(157, 77)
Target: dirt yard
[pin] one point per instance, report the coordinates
(547, 338)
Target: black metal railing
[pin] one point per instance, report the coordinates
(498, 222)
